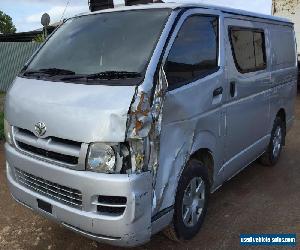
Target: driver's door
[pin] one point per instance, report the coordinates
(192, 112)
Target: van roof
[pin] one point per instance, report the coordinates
(192, 5)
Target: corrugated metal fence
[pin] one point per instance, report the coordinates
(13, 56)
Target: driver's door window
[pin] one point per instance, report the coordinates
(194, 53)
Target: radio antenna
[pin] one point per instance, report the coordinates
(68, 2)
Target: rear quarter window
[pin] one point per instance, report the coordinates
(283, 47)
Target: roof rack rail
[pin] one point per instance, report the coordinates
(96, 5)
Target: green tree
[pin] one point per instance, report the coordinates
(39, 38)
(6, 24)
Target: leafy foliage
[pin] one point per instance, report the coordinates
(39, 38)
(6, 24)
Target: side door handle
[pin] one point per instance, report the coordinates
(232, 88)
(218, 91)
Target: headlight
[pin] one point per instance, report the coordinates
(7, 132)
(101, 158)
(120, 158)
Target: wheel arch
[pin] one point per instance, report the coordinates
(282, 115)
(205, 156)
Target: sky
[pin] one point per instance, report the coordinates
(26, 14)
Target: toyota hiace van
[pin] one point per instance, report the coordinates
(125, 120)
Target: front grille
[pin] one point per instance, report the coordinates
(52, 155)
(60, 150)
(66, 195)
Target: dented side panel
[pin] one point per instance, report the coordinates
(178, 123)
(190, 121)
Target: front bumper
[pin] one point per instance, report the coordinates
(131, 228)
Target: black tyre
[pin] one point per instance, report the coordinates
(272, 155)
(190, 202)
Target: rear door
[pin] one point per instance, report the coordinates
(247, 102)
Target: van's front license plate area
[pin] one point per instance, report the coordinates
(45, 206)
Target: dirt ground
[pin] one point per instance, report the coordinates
(258, 200)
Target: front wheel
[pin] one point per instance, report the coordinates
(190, 202)
(272, 155)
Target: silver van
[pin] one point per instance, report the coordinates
(125, 120)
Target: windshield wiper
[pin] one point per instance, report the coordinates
(106, 75)
(49, 71)
(113, 75)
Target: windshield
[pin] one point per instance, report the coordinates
(115, 45)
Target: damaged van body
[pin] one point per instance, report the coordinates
(125, 120)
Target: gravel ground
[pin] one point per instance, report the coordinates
(258, 200)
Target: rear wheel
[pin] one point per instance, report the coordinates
(272, 155)
(190, 202)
